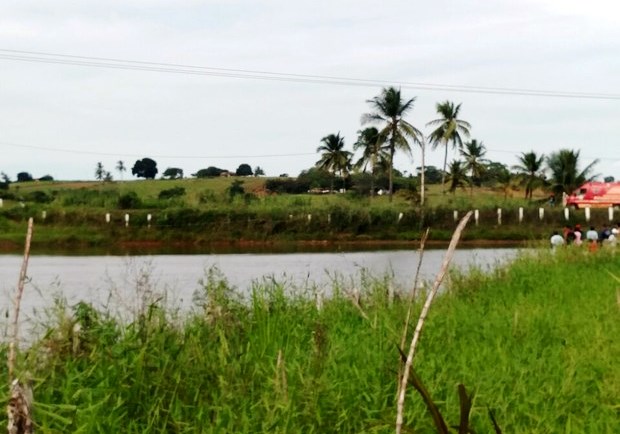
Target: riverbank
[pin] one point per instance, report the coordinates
(536, 340)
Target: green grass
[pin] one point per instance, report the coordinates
(537, 341)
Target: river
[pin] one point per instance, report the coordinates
(112, 279)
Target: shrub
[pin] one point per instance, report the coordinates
(38, 197)
(171, 193)
(129, 200)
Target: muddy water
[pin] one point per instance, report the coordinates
(112, 280)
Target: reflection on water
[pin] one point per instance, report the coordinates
(98, 278)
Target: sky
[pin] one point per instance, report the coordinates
(62, 115)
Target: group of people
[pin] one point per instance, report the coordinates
(592, 237)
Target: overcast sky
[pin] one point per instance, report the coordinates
(62, 119)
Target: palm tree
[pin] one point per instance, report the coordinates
(449, 129)
(457, 176)
(120, 167)
(565, 173)
(474, 153)
(373, 153)
(530, 170)
(99, 171)
(334, 157)
(389, 109)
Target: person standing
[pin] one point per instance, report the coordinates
(592, 235)
(556, 240)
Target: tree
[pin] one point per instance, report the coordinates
(457, 175)
(432, 174)
(373, 153)
(145, 168)
(120, 168)
(244, 170)
(334, 157)
(5, 178)
(449, 129)
(24, 177)
(609, 179)
(388, 110)
(209, 172)
(474, 153)
(529, 170)
(99, 172)
(258, 171)
(46, 178)
(565, 173)
(107, 177)
(172, 173)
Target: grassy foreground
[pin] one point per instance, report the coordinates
(537, 341)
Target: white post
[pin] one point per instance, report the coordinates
(400, 217)
(610, 213)
(521, 214)
(43, 215)
(476, 216)
(329, 219)
(566, 214)
(587, 211)
(1, 204)
(148, 219)
(455, 214)
(541, 213)
(290, 216)
(107, 217)
(126, 220)
(499, 216)
(309, 218)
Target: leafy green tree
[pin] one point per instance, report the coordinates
(99, 172)
(334, 158)
(389, 108)
(432, 174)
(457, 175)
(473, 153)
(373, 153)
(530, 171)
(209, 172)
(566, 175)
(145, 168)
(46, 178)
(24, 177)
(449, 129)
(172, 173)
(244, 170)
(258, 171)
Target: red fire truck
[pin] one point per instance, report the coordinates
(595, 195)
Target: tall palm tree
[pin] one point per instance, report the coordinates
(565, 173)
(99, 171)
(530, 169)
(334, 157)
(473, 153)
(120, 167)
(457, 176)
(449, 129)
(373, 153)
(388, 110)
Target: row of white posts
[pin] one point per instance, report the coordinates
(541, 215)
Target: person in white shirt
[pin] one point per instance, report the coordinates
(556, 240)
(592, 235)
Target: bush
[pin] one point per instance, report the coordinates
(129, 200)
(38, 197)
(171, 193)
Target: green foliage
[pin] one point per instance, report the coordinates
(24, 177)
(172, 173)
(244, 170)
(129, 200)
(171, 193)
(38, 197)
(209, 172)
(235, 189)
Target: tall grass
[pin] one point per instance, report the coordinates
(537, 341)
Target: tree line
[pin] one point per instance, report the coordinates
(559, 171)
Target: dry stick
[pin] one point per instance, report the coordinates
(19, 420)
(18, 300)
(416, 335)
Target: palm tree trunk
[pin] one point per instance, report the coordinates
(445, 163)
(422, 177)
(372, 175)
(391, 174)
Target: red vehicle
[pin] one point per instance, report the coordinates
(595, 195)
